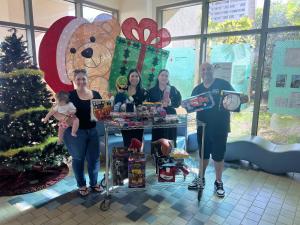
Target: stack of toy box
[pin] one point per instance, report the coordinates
(120, 165)
(136, 170)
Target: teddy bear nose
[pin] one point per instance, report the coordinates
(87, 53)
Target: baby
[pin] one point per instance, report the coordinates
(64, 111)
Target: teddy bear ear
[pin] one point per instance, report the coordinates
(109, 26)
(103, 17)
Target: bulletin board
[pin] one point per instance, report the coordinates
(284, 92)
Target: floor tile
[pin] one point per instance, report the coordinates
(253, 197)
(195, 222)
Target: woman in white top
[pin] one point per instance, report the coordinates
(64, 111)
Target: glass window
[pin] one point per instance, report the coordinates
(279, 119)
(4, 32)
(38, 38)
(284, 13)
(46, 12)
(12, 11)
(183, 21)
(235, 60)
(91, 13)
(183, 65)
(225, 16)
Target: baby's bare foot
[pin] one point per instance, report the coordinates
(74, 134)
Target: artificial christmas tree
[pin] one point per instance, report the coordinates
(15, 55)
(29, 156)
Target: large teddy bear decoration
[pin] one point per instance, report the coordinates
(73, 43)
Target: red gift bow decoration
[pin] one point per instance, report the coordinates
(161, 37)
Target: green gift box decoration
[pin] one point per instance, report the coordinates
(144, 55)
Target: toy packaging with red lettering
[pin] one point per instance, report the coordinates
(199, 102)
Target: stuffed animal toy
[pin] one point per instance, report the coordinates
(165, 146)
(135, 145)
(121, 83)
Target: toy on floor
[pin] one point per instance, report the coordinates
(169, 161)
(167, 172)
(136, 170)
(120, 165)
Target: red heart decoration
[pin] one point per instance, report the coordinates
(160, 37)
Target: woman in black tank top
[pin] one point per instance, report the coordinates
(86, 144)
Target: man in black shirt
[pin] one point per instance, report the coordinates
(217, 126)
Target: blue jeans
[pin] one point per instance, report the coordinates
(84, 146)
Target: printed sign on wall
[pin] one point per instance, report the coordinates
(284, 93)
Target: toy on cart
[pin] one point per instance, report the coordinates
(145, 114)
(150, 110)
(100, 109)
(168, 119)
(126, 120)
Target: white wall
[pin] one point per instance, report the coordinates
(157, 3)
(142, 8)
(135, 8)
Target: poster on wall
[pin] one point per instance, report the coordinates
(284, 92)
(233, 63)
(181, 66)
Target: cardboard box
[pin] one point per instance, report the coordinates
(136, 170)
(199, 102)
(119, 165)
(167, 172)
(100, 109)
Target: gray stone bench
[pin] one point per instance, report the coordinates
(272, 158)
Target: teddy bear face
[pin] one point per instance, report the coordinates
(91, 47)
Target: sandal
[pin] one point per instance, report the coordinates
(97, 188)
(83, 191)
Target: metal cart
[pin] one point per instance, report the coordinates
(183, 121)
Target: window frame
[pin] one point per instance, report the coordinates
(31, 28)
(204, 35)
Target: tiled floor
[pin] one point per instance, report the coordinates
(252, 197)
